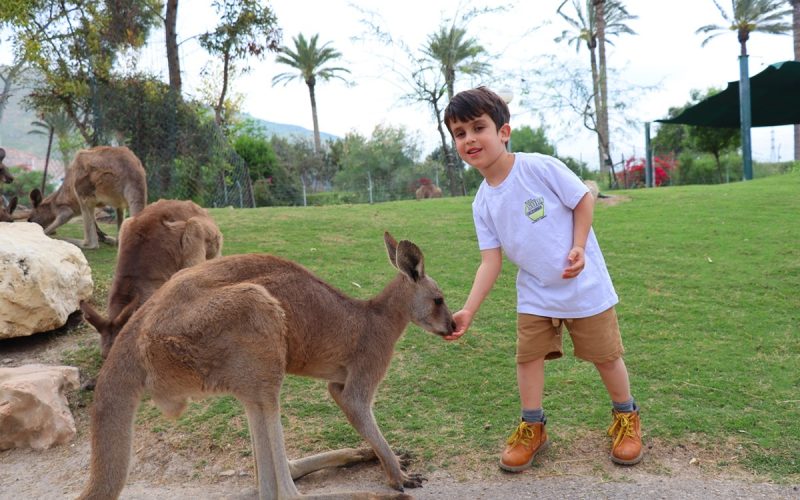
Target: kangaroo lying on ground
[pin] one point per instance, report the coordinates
(165, 237)
(104, 175)
(237, 325)
(5, 175)
(6, 211)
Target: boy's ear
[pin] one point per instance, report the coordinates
(505, 132)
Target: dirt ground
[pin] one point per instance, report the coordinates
(162, 470)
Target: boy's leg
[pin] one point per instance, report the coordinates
(537, 338)
(597, 339)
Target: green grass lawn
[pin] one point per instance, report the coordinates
(709, 282)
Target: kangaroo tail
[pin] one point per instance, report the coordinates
(116, 397)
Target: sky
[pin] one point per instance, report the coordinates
(664, 61)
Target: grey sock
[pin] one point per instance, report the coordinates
(533, 416)
(626, 406)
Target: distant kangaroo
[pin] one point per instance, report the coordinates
(237, 325)
(162, 239)
(5, 175)
(104, 175)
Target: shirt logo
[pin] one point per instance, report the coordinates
(534, 209)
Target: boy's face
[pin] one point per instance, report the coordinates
(478, 141)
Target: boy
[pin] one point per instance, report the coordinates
(533, 208)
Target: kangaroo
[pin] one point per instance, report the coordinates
(238, 325)
(5, 175)
(104, 175)
(7, 210)
(162, 239)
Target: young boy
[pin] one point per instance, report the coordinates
(533, 208)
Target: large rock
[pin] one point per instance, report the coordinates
(34, 411)
(42, 280)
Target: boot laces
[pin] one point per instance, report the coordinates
(621, 428)
(524, 434)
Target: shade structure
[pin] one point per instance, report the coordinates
(774, 101)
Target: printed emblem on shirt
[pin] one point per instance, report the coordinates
(534, 209)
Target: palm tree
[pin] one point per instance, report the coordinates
(310, 62)
(594, 23)
(796, 33)
(749, 16)
(453, 51)
(59, 125)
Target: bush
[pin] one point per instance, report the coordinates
(25, 181)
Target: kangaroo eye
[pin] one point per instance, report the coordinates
(438, 301)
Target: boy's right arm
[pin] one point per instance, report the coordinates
(485, 277)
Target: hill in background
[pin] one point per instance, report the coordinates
(16, 125)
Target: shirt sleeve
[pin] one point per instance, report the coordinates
(561, 180)
(484, 228)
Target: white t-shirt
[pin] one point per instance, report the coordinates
(529, 216)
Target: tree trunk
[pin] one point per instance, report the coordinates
(173, 58)
(313, 96)
(601, 152)
(449, 162)
(796, 34)
(226, 64)
(603, 126)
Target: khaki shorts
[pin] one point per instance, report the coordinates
(595, 339)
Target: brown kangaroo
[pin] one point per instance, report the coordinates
(238, 325)
(162, 239)
(7, 210)
(105, 175)
(5, 175)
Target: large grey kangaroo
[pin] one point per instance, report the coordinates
(238, 325)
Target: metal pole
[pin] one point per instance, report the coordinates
(648, 157)
(744, 115)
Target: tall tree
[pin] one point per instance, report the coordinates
(310, 61)
(173, 57)
(246, 28)
(748, 16)
(593, 24)
(455, 52)
(73, 45)
(796, 34)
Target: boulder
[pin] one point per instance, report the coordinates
(42, 280)
(34, 412)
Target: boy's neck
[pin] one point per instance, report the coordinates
(497, 172)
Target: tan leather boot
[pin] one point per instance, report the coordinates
(626, 435)
(523, 445)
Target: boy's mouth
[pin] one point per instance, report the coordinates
(472, 151)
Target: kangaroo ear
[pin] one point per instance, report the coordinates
(391, 247)
(125, 314)
(410, 260)
(93, 317)
(36, 197)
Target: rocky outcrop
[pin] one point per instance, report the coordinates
(34, 412)
(42, 280)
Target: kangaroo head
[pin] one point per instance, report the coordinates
(5, 175)
(43, 212)
(107, 328)
(428, 308)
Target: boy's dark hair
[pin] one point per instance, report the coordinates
(470, 104)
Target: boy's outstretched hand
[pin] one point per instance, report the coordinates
(462, 319)
(577, 261)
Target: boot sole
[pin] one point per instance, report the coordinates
(527, 465)
(633, 461)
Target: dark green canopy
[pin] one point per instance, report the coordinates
(774, 100)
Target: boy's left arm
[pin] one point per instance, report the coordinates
(582, 216)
